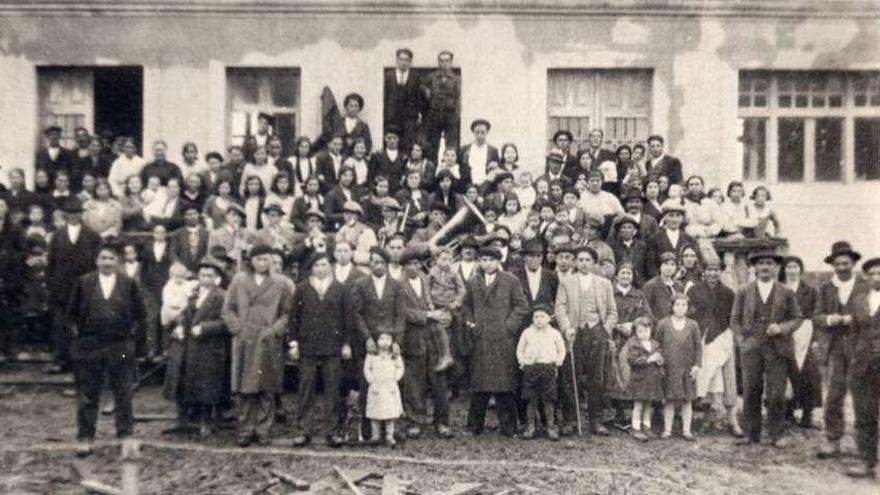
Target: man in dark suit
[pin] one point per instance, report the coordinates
(865, 370)
(319, 339)
(72, 253)
(671, 237)
(833, 320)
(479, 155)
(494, 310)
(633, 202)
(420, 354)
(557, 170)
(156, 261)
(388, 162)
(96, 163)
(328, 163)
(628, 247)
(54, 157)
(662, 164)
(189, 244)
(403, 99)
(539, 284)
(598, 155)
(104, 309)
(378, 305)
(765, 314)
(160, 167)
(562, 140)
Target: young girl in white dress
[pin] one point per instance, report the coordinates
(383, 371)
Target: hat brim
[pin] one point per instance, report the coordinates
(871, 263)
(766, 256)
(854, 255)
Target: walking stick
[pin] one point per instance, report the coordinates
(574, 382)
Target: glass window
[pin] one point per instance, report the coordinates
(752, 139)
(867, 148)
(828, 149)
(791, 149)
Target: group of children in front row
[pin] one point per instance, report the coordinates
(664, 366)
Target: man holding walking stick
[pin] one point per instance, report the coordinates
(586, 313)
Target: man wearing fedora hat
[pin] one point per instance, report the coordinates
(277, 232)
(633, 202)
(833, 319)
(671, 237)
(765, 314)
(72, 253)
(557, 170)
(865, 370)
(357, 233)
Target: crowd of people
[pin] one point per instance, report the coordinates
(397, 283)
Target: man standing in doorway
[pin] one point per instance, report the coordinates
(403, 100)
(442, 90)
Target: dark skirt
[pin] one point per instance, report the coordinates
(539, 382)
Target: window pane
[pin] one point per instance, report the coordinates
(753, 139)
(868, 149)
(785, 101)
(801, 101)
(744, 100)
(829, 133)
(791, 150)
(284, 89)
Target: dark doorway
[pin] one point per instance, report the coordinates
(119, 101)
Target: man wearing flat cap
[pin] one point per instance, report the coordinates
(480, 156)
(357, 233)
(277, 232)
(833, 320)
(633, 201)
(764, 316)
(256, 313)
(494, 309)
(865, 370)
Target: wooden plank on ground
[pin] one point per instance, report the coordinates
(95, 486)
(392, 485)
(349, 482)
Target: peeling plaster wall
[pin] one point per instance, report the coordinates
(504, 63)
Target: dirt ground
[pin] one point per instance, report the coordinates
(37, 427)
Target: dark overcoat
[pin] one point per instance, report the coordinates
(496, 313)
(198, 366)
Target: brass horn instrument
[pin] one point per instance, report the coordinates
(453, 223)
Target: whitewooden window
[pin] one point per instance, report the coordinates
(66, 96)
(618, 101)
(805, 126)
(251, 91)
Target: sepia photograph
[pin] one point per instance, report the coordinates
(439, 247)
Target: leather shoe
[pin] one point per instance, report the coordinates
(244, 441)
(443, 431)
(335, 441)
(780, 442)
(414, 432)
(829, 450)
(862, 471)
(84, 448)
(746, 442)
(303, 440)
(599, 430)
